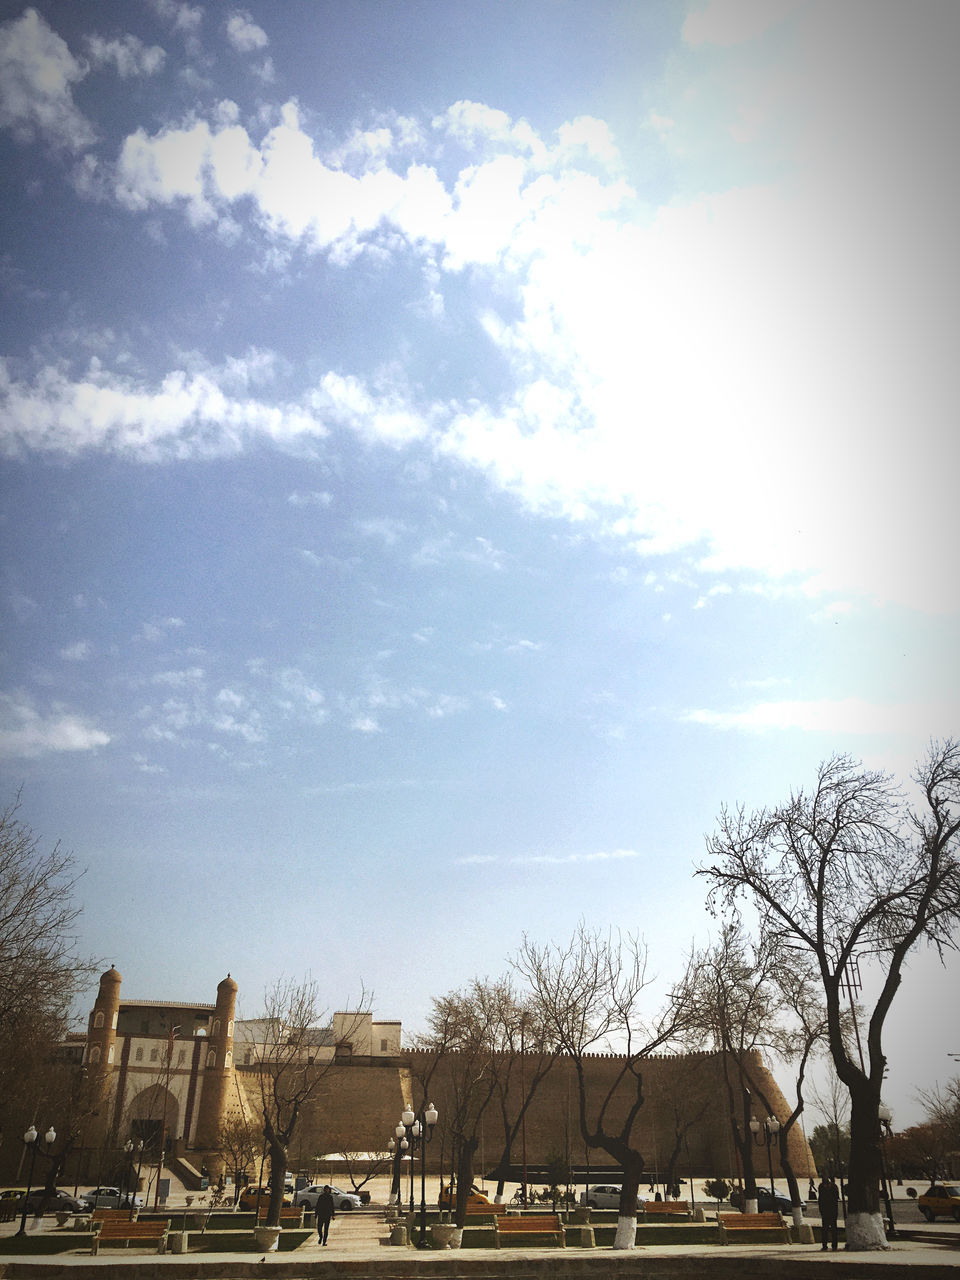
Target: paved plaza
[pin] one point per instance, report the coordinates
(357, 1249)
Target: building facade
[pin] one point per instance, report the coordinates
(171, 1074)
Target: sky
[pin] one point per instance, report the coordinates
(449, 450)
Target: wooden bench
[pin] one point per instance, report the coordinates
(115, 1229)
(290, 1215)
(767, 1223)
(669, 1208)
(518, 1228)
(110, 1215)
(474, 1209)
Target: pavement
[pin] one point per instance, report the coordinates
(356, 1249)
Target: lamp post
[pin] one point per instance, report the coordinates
(402, 1146)
(771, 1127)
(420, 1128)
(136, 1184)
(30, 1138)
(885, 1116)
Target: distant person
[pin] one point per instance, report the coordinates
(324, 1213)
(828, 1201)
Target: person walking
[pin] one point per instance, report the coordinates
(828, 1200)
(324, 1214)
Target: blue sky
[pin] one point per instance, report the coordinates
(449, 450)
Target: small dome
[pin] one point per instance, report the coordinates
(110, 978)
(227, 984)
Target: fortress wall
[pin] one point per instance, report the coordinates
(358, 1105)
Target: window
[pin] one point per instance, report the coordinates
(98, 1018)
(138, 1056)
(228, 1059)
(110, 1053)
(181, 1057)
(154, 1054)
(212, 1058)
(230, 1027)
(94, 1054)
(383, 1046)
(215, 1029)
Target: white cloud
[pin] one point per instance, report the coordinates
(182, 17)
(551, 859)
(244, 34)
(179, 679)
(838, 716)
(37, 72)
(128, 54)
(27, 733)
(186, 414)
(77, 652)
(313, 498)
(365, 724)
(157, 628)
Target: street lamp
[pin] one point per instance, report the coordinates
(30, 1138)
(402, 1145)
(420, 1129)
(127, 1170)
(771, 1127)
(885, 1116)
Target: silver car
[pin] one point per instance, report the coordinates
(341, 1199)
(110, 1198)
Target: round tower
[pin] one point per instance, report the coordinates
(102, 1027)
(101, 1046)
(217, 1066)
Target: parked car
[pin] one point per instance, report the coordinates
(940, 1201)
(603, 1196)
(766, 1203)
(341, 1199)
(476, 1196)
(251, 1196)
(110, 1198)
(58, 1202)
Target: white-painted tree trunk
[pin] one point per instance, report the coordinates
(626, 1237)
(498, 1199)
(750, 1206)
(864, 1232)
(797, 1211)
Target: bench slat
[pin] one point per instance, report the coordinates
(734, 1222)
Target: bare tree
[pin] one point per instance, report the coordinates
(589, 994)
(463, 1036)
(238, 1148)
(526, 1056)
(850, 869)
(939, 1135)
(732, 1003)
(360, 1167)
(286, 1043)
(40, 970)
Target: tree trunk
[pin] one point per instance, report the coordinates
(792, 1184)
(278, 1176)
(626, 1236)
(864, 1221)
(464, 1178)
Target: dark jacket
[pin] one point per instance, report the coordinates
(828, 1200)
(325, 1205)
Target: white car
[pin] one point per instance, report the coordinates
(606, 1196)
(341, 1199)
(110, 1198)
